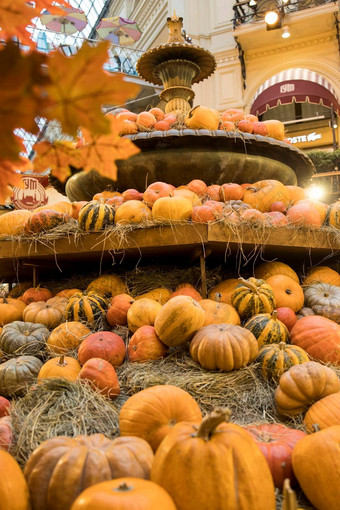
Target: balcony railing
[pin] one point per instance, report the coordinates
(251, 11)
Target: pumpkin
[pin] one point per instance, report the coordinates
(132, 194)
(319, 337)
(295, 193)
(178, 320)
(286, 292)
(217, 313)
(316, 464)
(268, 269)
(101, 375)
(332, 217)
(276, 442)
(276, 129)
(17, 374)
(267, 329)
(187, 290)
(67, 293)
(76, 206)
(117, 311)
(142, 312)
(202, 117)
(103, 344)
(155, 191)
(95, 216)
(262, 194)
(197, 186)
(132, 211)
(223, 291)
(63, 367)
(223, 347)
(144, 345)
(97, 459)
(14, 493)
(125, 494)
(287, 316)
(251, 297)
(213, 192)
(323, 413)
(302, 385)
(231, 191)
(328, 311)
(275, 359)
(108, 285)
(45, 220)
(145, 121)
(160, 294)
(10, 310)
(151, 413)
(322, 274)
(322, 294)
(304, 214)
(275, 218)
(213, 465)
(190, 195)
(46, 313)
(304, 312)
(88, 307)
(5, 406)
(19, 288)
(172, 209)
(66, 337)
(320, 206)
(6, 434)
(203, 214)
(104, 195)
(63, 207)
(252, 215)
(36, 294)
(82, 185)
(23, 338)
(13, 222)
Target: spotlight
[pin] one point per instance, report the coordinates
(315, 192)
(285, 32)
(273, 20)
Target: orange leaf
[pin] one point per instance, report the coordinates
(80, 86)
(15, 15)
(57, 156)
(10, 145)
(52, 9)
(100, 152)
(8, 177)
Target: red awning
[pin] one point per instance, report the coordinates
(294, 85)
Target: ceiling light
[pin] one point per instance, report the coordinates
(252, 3)
(271, 18)
(285, 32)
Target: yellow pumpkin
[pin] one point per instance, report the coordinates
(322, 274)
(132, 211)
(12, 223)
(161, 294)
(190, 195)
(63, 207)
(223, 291)
(11, 310)
(172, 209)
(14, 493)
(218, 313)
(142, 312)
(202, 117)
(267, 269)
(108, 285)
(63, 367)
(276, 129)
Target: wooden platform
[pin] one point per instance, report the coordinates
(176, 243)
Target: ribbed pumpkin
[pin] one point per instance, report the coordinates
(10, 310)
(202, 117)
(144, 345)
(63, 367)
(169, 209)
(276, 359)
(253, 296)
(13, 222)
(160, 294)
(333, 215)
(322, 274)
(14, 493)
(323, 413)
(304, 384)
(267, 328)
(217, 313)
(286, 292)
(86, 460)
(223, 347)
(322, 294)
(142, 312)
(151, 413)
(17, 374)
(262, 194)
(67, 336)
(50, 313)
(103, 344)
(95, 216)
(178, 320)
(88, 307)
(117, 311)
(108, 285)
(132, 211)
(102, 376)
(45, 220)
(316, 464)
(268, 269)
(20, 338)
(213, 465)
(223, 291)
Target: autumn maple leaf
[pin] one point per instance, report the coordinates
(100, 152)
(15, 15)
(80, 86)
(51, 7)
(57, 156)
(9, 177)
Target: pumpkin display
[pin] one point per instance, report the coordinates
(95, 216)
(332, 217)
(217, 313)
(316, 465)
(42, 221)
(302, 385)
(160, 294)
(144, 345)
(268, 269)
(12, 223)
(286, 292)
(223, 291)
(201, 117)
(319, 337)
(86, 460)
(88, 307)
(6, 433)
(105, 345)
(276, 442)
(36, 294)
(275, 359)
(235, 471)
(14, 493)
(117, 311)
(5, 406)
(101, 375)
(223, 347)
(169, 209)
(322, 274)
(23, 338)
(178, 320)
(155, 191)
(63, 367)
(17, 374)
(49, 313)
(252, 297)
(66, 337)
(262, 194)
(132, 211)
(323, 413)
(322, 294)
(124, 494)
(267, 329)
(142, 312)
(108, 285)
(10, 310)
(151, 413)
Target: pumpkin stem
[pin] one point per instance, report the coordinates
(315, 427)
(250, 285)
(211, 421)
(62, 362)
(282, 346)
(218, 297)
(274, 315)
(123, 487)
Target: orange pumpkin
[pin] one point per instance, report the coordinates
(12, 223)
(323, 413)
(213, 192)
(267, 269)
(295, 193)
(231, 191)
(144, 345)
(127, 116)
(132, 194)
(63, 367)
(101, 375)
(217, 313)
(142, 312)
(287, 292)
(76, 206)
(132, 211)
(322, 274)
(67, 336)
(276, 129)
(104, 195)
(103, 344)
(262, 194)
(203, 214)
(108, 285)
(67, 293)
(201, 117)
(187, 290)
(223, 291)
(320, 206)
(157, 113)
(36, 294)
(117, 312)
(50, 312)
(14, 493)
(197, 186)
(155, 191)
(304, 214)
(128, 128)
(10, 310)
(145, 121)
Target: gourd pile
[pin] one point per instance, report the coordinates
(287, 328)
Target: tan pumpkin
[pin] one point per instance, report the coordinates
(13, 222)
(132, 211)
(169, 209)
(160, 294)
(50, 313)
(63, 367)
(287, 292)
(14, 493)
(67, 336)
(322, 274)
(142, 312)
(322, 294)
(108, 285)
(217, 313)
(268, 269)
(262, 194)
(223, 291)
(323, 413)
(10, 310)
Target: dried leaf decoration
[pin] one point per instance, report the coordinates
(9, 176)
(100, 152)
(57, 156)
(15, 15)
(80, 86)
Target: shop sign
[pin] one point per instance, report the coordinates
(287, 87)
(30, 197)
(321, 136)
(310, 137)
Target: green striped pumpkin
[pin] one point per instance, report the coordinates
(267, 328)
(333, 215)
(95, 216)
(253, 296)
(89, 307)
(278, 358)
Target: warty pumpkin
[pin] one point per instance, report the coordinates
(67, 336)
(144, 345)
(253, 296)
(267, 328)
(217, 313)
(108, 285)
(88, 307)
(275, 359)
(101, 375)
(23, 338)
(286, 292)
(142, 312)
(14, 493)
(63, 367)
(44, 220)
(105, 345)
(95, 216)
(213, 465)
(223, 291)
(267, 269)
(323, 413)
(84, 460)
(322, 274)
(10, 310)
(151, 413)
(17, 374)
